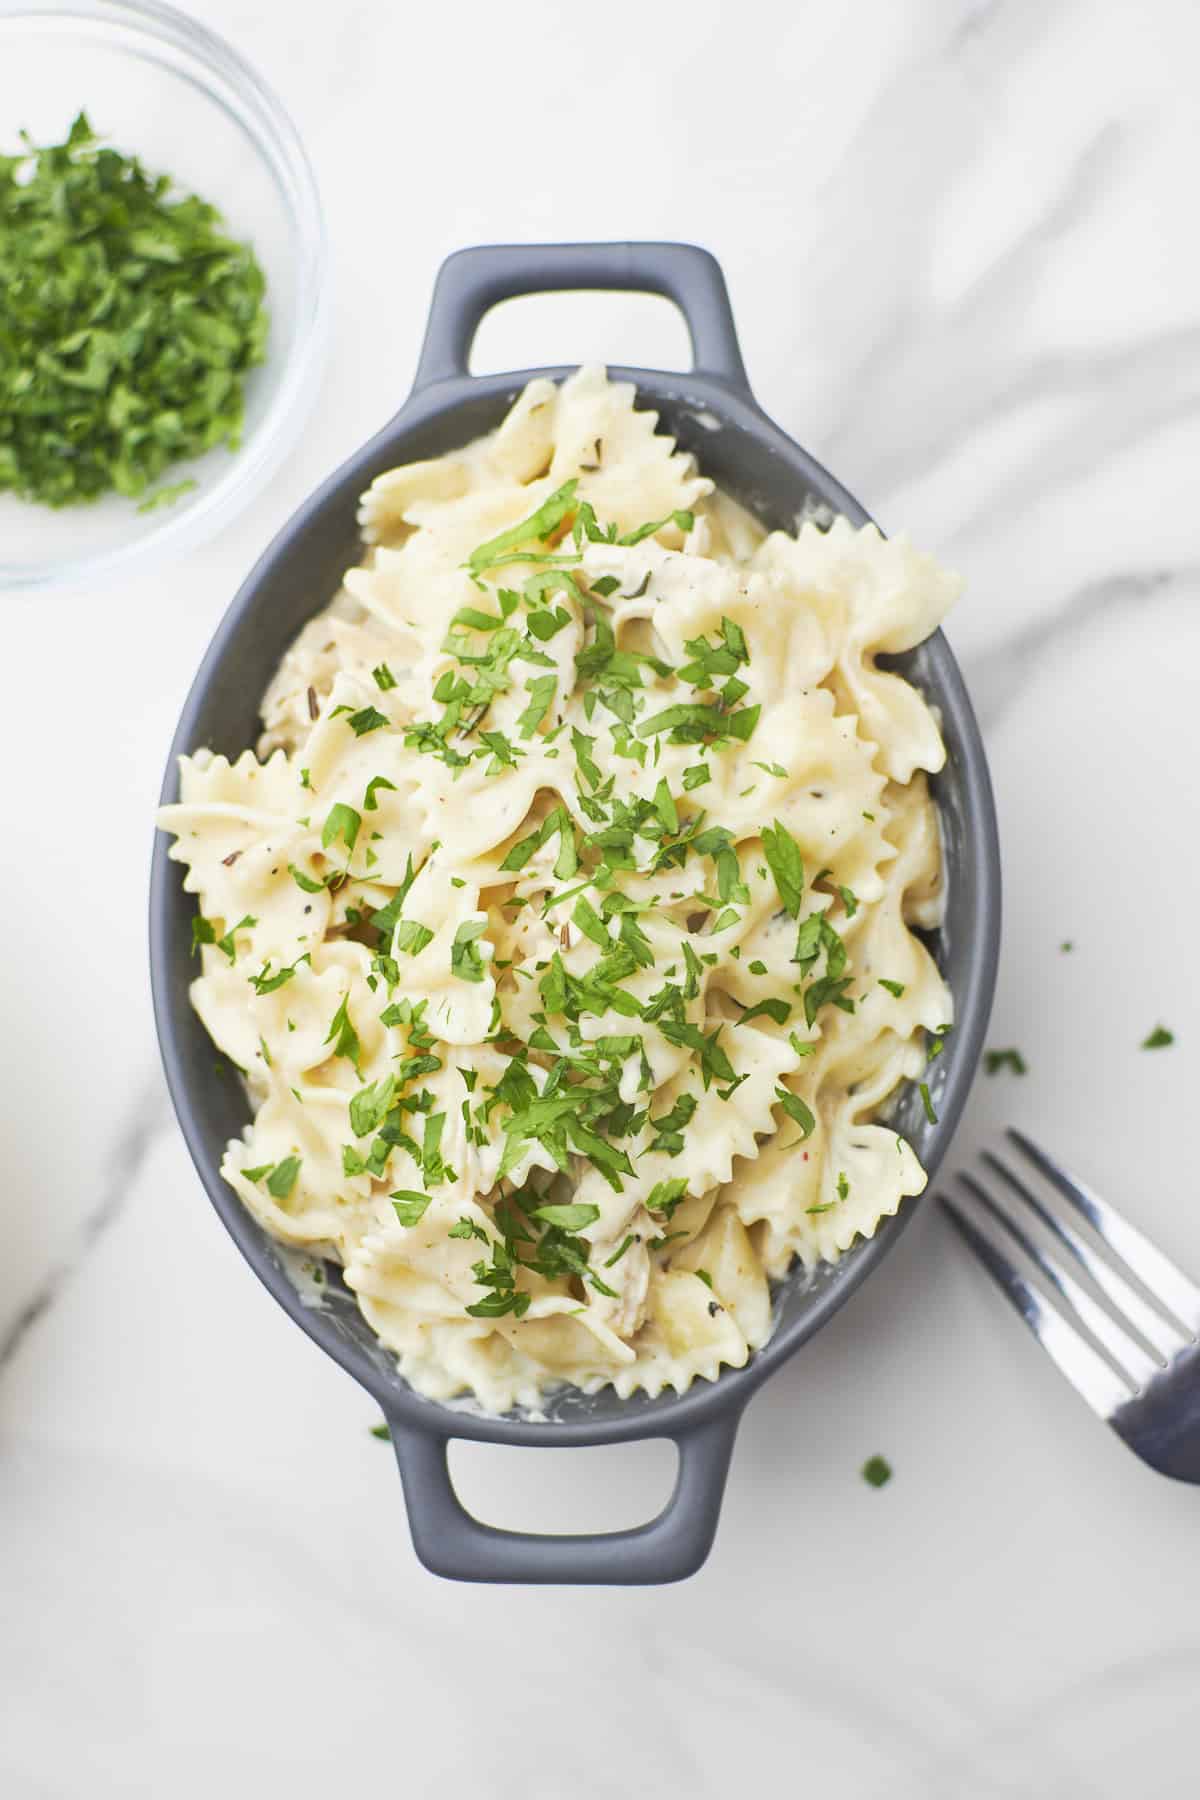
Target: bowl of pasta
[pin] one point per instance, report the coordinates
(587, 849)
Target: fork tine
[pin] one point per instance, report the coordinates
(1166, 1338)
(1160, 1277)
(1083, 1367)
(1130, 1358)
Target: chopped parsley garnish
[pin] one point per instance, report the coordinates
(684, 520)
(465, 959)
(129, 323)
(370, 803)
(665, 1196)
(617, 1254)
(786, 865)
(342, 1034)
(383, 677)
(711, 662)
(795, 1109)
(541, 694)
(411, 937)
(558, 822)
(691, 722)
(778, 1010)
(893, 987)
(371, 1105)
(927, 1103)
(669, 1127)
(410, 1206)
(877, 1471)
(537, 527)
(714, 1064)
(468, 1228)
(815, 937)
(1158, 1039)
(268, 980)
(369, 718)
(570, 1217)
(282, 1178)
(343, 822)
(226, 943)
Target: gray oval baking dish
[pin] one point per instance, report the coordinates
(711, 412)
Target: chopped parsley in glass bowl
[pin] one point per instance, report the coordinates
(159, 87)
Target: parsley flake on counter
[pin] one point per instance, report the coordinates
(995, 1060)
(1158, 1039)
(877, 1471)
(130, 321)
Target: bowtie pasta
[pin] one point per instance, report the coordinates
(561, 924)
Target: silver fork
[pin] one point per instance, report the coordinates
(1146, 1384)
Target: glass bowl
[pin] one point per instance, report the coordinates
(161, 86)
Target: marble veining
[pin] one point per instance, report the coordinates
(143, 1120)
(958, 239)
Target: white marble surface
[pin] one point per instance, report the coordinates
(961, 245)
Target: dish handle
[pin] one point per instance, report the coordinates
(450, 1541)
(471, 282)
